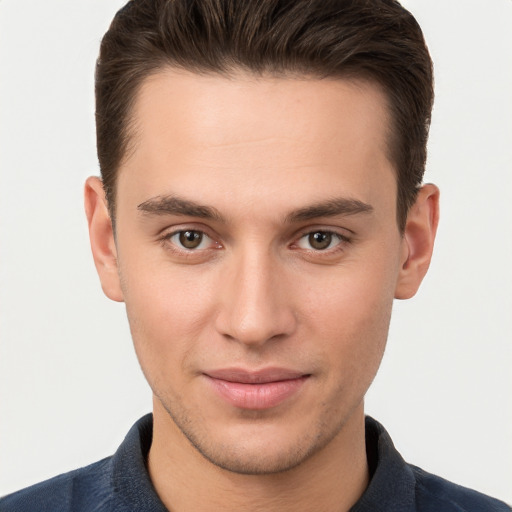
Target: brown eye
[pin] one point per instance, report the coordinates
(320, 240)
(190, 239)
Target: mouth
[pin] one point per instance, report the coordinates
(256, 390)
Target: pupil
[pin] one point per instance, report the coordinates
(320, 240)
(190, 239)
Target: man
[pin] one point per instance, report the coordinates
(260, 208)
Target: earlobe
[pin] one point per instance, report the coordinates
(102, 238)
(418, 241)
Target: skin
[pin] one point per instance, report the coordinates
(258, 292)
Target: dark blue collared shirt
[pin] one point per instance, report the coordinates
(121, 483)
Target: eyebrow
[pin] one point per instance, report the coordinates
(174, 205)
(330, 208)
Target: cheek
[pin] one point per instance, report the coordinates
(167, 311)
(354, 322)
(349, 316)
(353, 346)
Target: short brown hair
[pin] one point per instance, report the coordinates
(376, 40)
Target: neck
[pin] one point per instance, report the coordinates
(333, 479)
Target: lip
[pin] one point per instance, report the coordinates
(256, 390)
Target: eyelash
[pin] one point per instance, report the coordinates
(340, 246)
(165, 240)
(183, 252)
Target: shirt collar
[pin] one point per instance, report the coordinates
(132, 487)
(392, 484)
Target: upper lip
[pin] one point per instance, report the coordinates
(260, 376)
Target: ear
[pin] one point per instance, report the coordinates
(102, 239)
(418, 241)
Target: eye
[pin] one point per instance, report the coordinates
(320, 240)
(190, 239)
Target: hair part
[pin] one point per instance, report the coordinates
(374, 40)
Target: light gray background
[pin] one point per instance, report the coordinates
(70, 386)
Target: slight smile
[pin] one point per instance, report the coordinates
(256, 390)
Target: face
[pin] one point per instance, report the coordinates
(258, 254)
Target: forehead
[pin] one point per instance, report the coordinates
(209, 106)
(218, 136)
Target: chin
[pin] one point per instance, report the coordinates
(257, 458)
(256, 446)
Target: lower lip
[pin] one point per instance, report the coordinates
(257, 396)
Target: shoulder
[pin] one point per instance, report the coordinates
(401, 487)
(119, 483)
(84, 489)
(434, 493)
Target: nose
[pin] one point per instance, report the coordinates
(256, 304)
